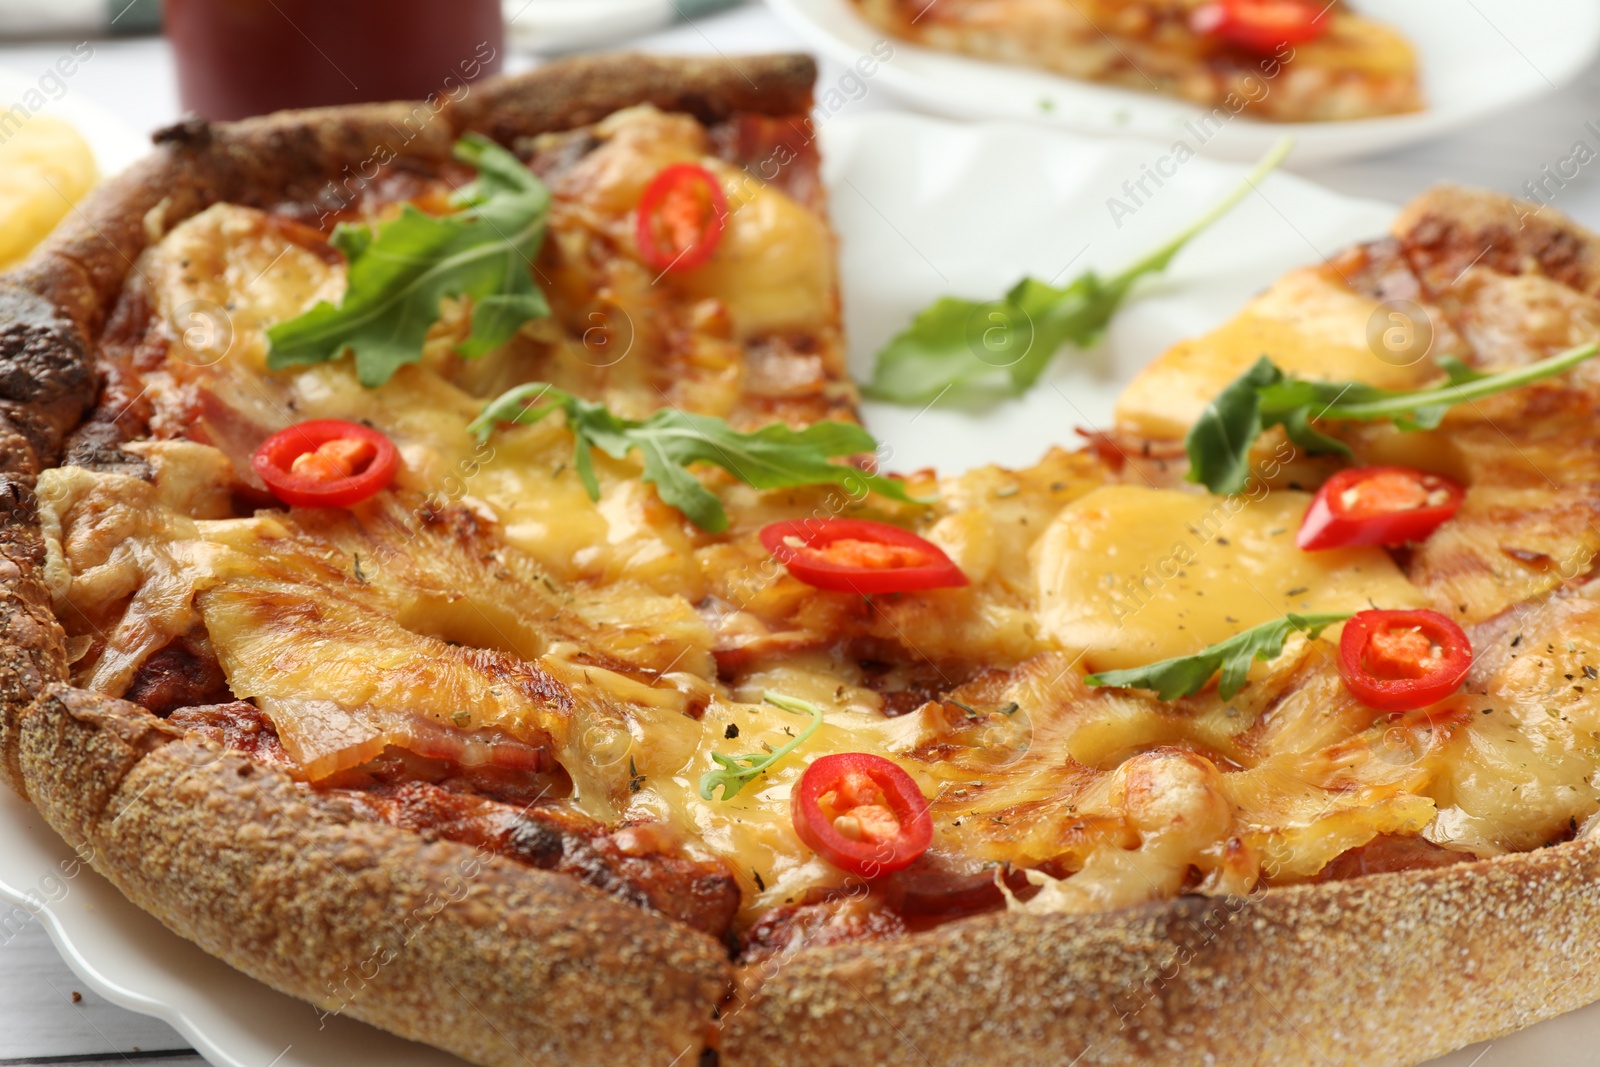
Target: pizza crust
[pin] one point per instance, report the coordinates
(588, 88)
(1450, 228)
(1384, 969)
(427, 939)
(289, 888)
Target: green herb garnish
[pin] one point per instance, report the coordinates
(1006, 344)
(399, 274)
(773, 457)
(736, 772)
(1264, 396)
(1185, 675)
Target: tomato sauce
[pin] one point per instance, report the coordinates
(248, 57)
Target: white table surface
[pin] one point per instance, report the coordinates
(48, 1016)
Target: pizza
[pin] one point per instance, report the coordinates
(446, 578)
(1279, 60)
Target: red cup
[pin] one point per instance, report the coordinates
(249, 57)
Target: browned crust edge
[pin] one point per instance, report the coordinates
(433, 940)
(1386, 969)
(1460, 227)
(592, 87)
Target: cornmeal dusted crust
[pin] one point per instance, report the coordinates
(1385, 969)
(591, 87)
(509, 965)
(425, 938)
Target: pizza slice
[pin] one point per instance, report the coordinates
(465, 599)
(1280, 60)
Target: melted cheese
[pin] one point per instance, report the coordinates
(224, 276)
(1131, 575)
(490, 595)
(1523, 775)
(1309, 323)
(755, 829)
(124, 556)
(773, 267)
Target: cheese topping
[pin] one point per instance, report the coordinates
(1309, 322)
(1132, 575)
(488, 596)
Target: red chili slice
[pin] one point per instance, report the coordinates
(1403, 660)
(326, 463)
(1259, 25)
(681, 216)
(1378, 506)
(859, 556)
(861, 813)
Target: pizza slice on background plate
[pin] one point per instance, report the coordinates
(1280, 60)
(443, 566)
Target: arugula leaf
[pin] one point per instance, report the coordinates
(1264, 396)
(1007, 343)
(1185, 675)
(736, 772)
(399, 273)
(773, 457)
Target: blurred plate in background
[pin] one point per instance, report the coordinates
(115, 143)
(552, 26)
(1477, 56)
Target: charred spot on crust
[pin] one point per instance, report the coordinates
(535, 844)
(45, 382)
(41, 356)
(1379, 269)
(591, 87)
(191, 131)
(1451, 229)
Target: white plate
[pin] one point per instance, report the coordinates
(115, 143)
(551, 26)
(923, 207)
(1478, 56)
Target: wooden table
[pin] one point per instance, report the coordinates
(48, 1016)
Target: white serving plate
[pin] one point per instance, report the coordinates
(115, 144)
(554, 26)
(923, 207)
(1478, 57)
